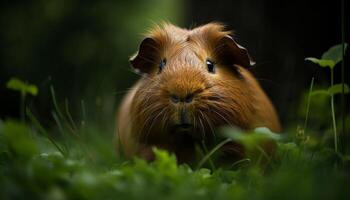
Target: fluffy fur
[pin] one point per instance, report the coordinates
(230, 96)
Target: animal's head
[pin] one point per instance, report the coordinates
(193, 81)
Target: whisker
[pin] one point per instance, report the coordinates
(154, 120)
(210, 125)
(146, 121)
(164, 123)
(202, 128)
(229, 123)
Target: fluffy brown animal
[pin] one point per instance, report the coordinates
(193, 81)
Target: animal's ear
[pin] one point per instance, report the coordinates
(231, 53)
(146, 57)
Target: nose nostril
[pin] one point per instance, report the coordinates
(174, 98)
(189, 98)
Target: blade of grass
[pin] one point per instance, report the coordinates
(239, 162)
(55, 102)
(42, 130)
(308, 104)
(60, 115)
(209, 159)
(58, 122)
(343, 132)
(74, 126)
(333, 115)
(267, 157)
(217, 147)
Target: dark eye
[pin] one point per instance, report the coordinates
(162, 64)
(211, 66)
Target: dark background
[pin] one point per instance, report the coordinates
(82, 47)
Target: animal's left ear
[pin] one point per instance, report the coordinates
(231, 53)
(146, 57)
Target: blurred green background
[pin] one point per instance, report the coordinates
(80, 47)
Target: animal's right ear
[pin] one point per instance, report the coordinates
(233, 53)
(146, 57)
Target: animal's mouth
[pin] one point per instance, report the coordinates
(182, 128)
(183, 133)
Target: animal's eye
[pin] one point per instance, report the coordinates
(211, 66)
(162, 64)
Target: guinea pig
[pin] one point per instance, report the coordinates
(192, 82)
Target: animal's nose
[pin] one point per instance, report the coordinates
(186, 99)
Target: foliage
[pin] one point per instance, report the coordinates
(331, 57)
(75, 44)
(335, 89)
(18, 85)
(24, 89)
(28, 169)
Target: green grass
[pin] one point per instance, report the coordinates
(34, 164)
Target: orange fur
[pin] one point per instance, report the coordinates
(230, 96)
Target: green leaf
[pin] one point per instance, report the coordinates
(335, 89)
(322, 92)
(338, 89)
(165, 161)
(250, 140)
(18, 140)
(331, 57)
(15, 84)
(335, 53)
(322, 62)
(32, 89)
(266, 132)
(19, 85)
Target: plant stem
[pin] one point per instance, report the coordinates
(206, 151)
(333, 116)
(308, 104)
(343, 132)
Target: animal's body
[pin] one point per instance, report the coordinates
(193, 81)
